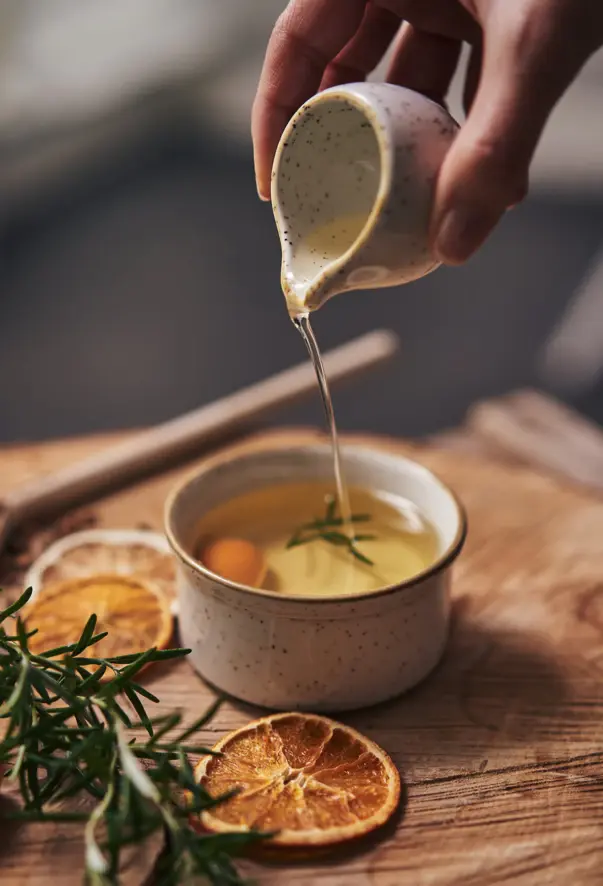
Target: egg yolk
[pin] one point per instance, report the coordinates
(236, 560)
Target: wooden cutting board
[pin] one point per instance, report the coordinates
(500, 749)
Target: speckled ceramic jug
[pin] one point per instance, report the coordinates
(320, 653)
(367, 151)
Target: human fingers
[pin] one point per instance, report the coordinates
(305, 39)
(425, 62)
(449, 18)
(365, 50)
(528, 63)
(472, 75)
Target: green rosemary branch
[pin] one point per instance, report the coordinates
(64, 735)
(326, 529)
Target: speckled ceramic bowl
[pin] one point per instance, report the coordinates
(313, 653)
(368, 150)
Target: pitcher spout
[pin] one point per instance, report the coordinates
(306, 295)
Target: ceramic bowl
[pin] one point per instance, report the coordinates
(313, 653)
(364, 150)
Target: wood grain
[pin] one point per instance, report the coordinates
(501, 749)
(529, 427)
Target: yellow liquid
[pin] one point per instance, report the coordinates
(315, 250)
(302, 324)
(323, 244)
(405, 543)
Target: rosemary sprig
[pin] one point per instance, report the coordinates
(326, 529)
(64, 735)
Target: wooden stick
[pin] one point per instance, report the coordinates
(153, 450)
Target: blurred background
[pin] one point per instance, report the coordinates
(139, 273)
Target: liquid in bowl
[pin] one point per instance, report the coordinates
(313, 652)
(284, 523)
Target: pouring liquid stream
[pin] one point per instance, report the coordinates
(302, 324)
(315, 251)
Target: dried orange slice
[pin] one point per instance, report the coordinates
(131, 552)
(136, 615)
(314, 781)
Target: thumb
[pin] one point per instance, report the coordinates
(527, 66)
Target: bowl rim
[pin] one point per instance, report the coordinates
(445, 559)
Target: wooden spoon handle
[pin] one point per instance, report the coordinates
(152, 450)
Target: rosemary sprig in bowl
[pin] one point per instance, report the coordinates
(64, 734)
(328, 528)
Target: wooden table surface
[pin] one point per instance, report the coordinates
(500, 749)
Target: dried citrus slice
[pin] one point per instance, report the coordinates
(129, 552)
(317, 782)
(136, 615)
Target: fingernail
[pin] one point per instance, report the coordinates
(263, 192)
(461, 231)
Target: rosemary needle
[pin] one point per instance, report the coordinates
(326, 529)
(65, 735)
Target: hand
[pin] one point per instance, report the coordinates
(525, 53)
